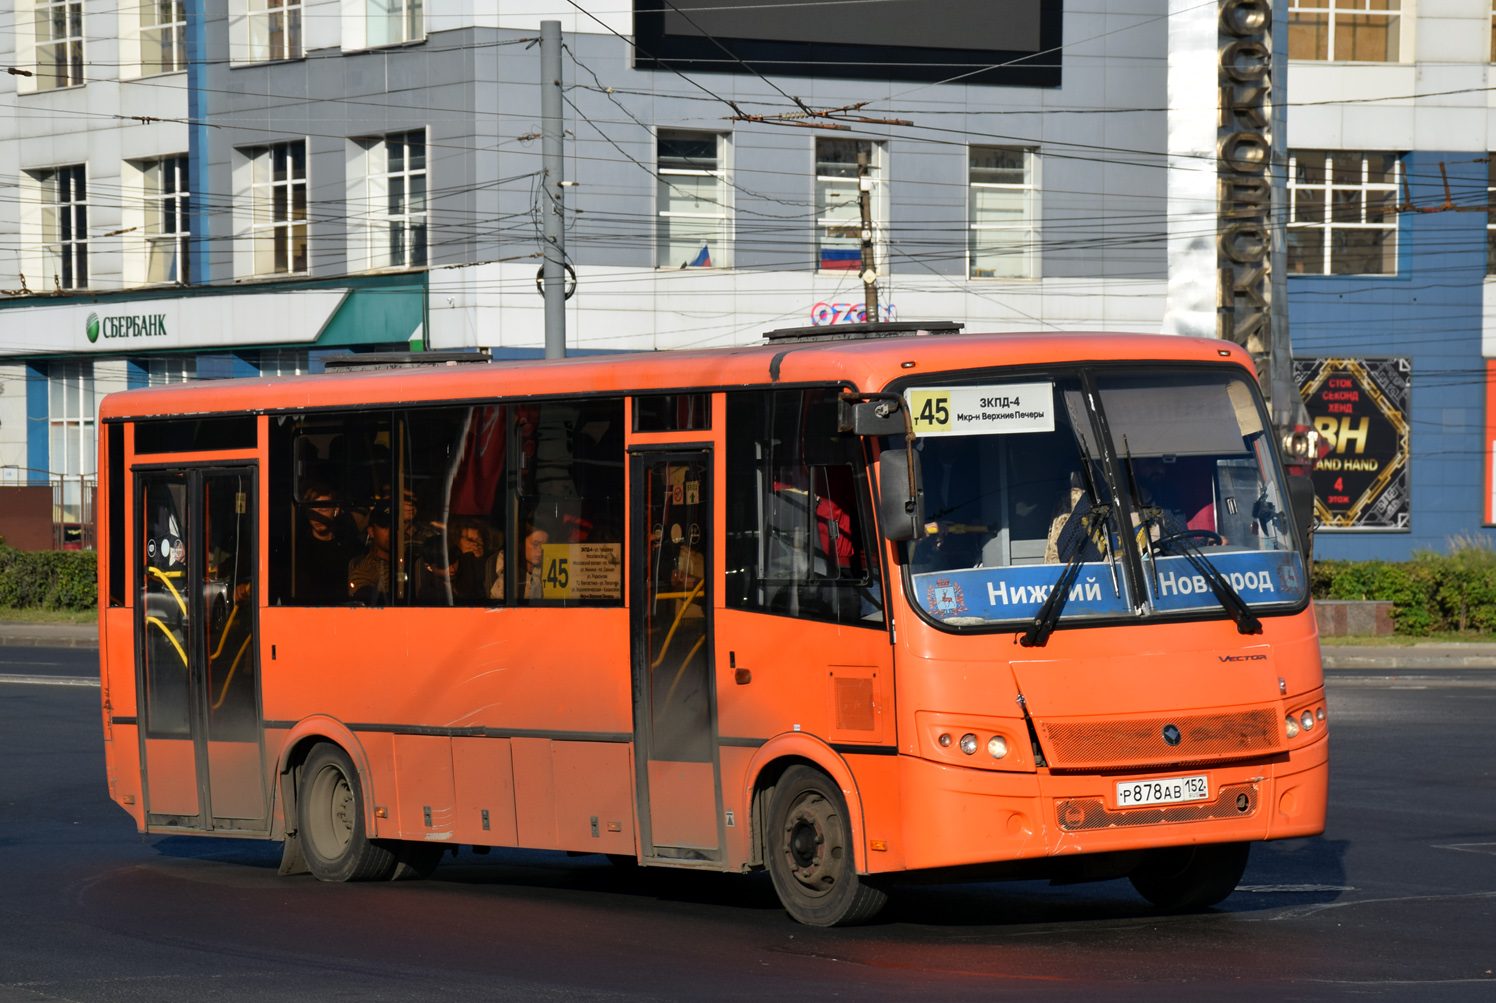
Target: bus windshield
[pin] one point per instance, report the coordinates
(1018, 499)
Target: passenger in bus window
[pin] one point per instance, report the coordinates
(477, 566)
(439, 584)
(531, 580)
(324, 548)
(369, 576)
(1181, 489)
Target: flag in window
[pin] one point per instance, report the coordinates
(702, 260)
(842, 259)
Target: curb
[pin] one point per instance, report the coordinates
(23, 641)
(48, 635)
(1426, 661)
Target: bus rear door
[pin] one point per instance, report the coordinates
(196, 653)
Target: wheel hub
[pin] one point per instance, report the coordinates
(812, 860)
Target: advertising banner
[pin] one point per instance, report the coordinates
(87, 327)
(1361, 408)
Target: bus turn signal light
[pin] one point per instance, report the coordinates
(997, 746)
(1292, 725)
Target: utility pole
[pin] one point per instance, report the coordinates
(552, 205)
(869, 269)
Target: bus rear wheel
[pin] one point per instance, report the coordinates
(1185, 878)
(809, 853)
(330, 809)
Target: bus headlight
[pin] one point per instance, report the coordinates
(1292, 724)
(997, 747)
(969, 744)
(1307, 720)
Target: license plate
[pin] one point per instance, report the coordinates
(1173, 790)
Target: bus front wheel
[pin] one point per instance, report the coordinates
(809, 853)
(330, 806)
(1184, 878)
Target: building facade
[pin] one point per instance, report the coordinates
(1390, 249)
(214, 188)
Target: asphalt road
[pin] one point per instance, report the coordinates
(1396, 901)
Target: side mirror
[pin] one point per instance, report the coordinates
(1301, 501)
(874, 417)
(901, 514)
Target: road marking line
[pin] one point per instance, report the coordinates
(1468, 847)
(1298, 912)
(1270, 889)
(51, 680)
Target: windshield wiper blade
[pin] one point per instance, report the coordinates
(1079, 529)
(1230, 599)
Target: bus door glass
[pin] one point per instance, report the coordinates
(199, 665)
(675, 705)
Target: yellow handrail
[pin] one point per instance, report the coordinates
(167, 581)
(690, 598)
(169, 636)
(232, 668)
(224, 637)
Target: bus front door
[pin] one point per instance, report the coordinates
(198, 671)
(675, 705)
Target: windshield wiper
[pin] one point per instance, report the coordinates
(1171, 539)
(1080, 529)
(1077, 533)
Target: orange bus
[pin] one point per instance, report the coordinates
(844, 607)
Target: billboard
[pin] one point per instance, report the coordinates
(1361, 408)
(977, 41)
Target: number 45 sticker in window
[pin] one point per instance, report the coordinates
(931, 410)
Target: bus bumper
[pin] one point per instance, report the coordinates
(955, 817)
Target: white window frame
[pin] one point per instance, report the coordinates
(170, 36)
(284, 362)
(1491, 214)
(1302, 210)
(166, 369)
(359, 23)
(62, 227)
(1301, 14)
(71, 438)
(265, 222)
(877, 175)
(273, 31)
(724, 200)
(1029, 227)
(55, 25)
(370, 220)
(165, 218)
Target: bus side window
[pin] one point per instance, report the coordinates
(797, 510)
(329, 480)
(567, 513)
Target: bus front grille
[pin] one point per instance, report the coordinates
(1233, 801)
(1198, 738)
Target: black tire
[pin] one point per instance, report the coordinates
(809, 853)
(330, 821)
(1186, 878)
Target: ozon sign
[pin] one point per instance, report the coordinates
(823, 314)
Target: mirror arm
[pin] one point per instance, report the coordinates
(851, 397)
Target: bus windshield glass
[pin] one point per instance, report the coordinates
(1018, 500)
(1014, 492)
(1203, 481)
